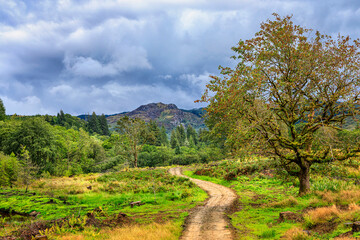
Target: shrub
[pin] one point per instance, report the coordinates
(289, 202)
(320, 215)
(342, 197)
(295, 233)
(269, 233)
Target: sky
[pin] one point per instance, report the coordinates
(111, 56)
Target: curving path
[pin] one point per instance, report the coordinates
(208, 222)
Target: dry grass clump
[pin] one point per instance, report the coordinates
(320, 215)
(70, 185)
(342, 197)
(295, 233)
(149, 232)
(288, 202)
(153, 231)
(353, 172)
(325, 214)
(354, 207)
(351, 213)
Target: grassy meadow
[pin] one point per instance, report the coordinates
(97, 206)
(265, 191)
(91, 206)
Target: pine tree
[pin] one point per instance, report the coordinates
(177, 149)
(154, 132)
(61, 118)
(174, 139)
(93, 124)
(104, 128)
(181, 134)
(191, 134)
(2, 111)
(163, 136)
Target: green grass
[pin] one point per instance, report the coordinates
(263, 196)
(163, 194)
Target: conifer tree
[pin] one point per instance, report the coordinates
(174, 139)
(181, 134)
(2, 111)
(191, 134)
(93, 124)
(163, 136)
(104, 128)
(154, 133)
(61, 118)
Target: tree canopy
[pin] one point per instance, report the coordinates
(2, 110)
(289, 84)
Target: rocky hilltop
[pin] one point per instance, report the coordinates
(168, 115)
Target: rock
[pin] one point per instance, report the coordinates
(356, 226)
(288, 216)
(44, 237)
(138, 203)
(34, 214)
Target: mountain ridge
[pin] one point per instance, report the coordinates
(168, 115)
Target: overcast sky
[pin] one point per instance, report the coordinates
(112, 56)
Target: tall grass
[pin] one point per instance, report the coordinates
(153, 231)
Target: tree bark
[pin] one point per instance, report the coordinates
(304, 178)
(135, 156)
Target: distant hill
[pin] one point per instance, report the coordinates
(168, 115)
(85, 116)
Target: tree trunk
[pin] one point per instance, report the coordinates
(304, 178)
(135, 156)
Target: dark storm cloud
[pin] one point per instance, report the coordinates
(110, 56)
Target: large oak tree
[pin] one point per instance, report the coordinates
(289, 85)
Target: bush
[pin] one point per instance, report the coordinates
(9, 167)
(269, 233)
(152, 156)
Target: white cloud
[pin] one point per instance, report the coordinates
(198, 81)
(113, 55)
(88, 67)
(62, 89)
(26, 106)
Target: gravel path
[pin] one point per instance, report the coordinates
(209, 222)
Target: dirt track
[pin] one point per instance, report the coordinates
(209, 222)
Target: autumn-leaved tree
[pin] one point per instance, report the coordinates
(289, 85)
(134, 131)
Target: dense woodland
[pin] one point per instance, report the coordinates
(65, 145)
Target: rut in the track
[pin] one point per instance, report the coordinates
(209, 222)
